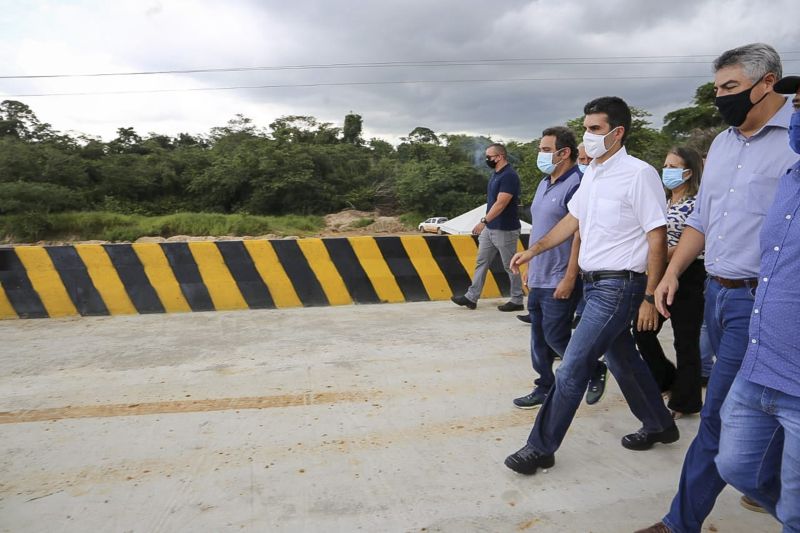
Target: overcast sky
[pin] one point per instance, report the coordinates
(600, 39)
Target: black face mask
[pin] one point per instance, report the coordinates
(491, 163)
(735, 107)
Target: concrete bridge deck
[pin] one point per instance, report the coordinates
(391, 417)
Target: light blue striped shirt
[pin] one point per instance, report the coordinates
(739, 183)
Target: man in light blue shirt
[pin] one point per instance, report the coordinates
(759, 449)
(741, 175)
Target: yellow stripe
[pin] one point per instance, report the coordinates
(272, 272)
(467, 252)
(105, 279)
(320, 262)
(432, 278)
(161, 277)
(378, 272)
(222, 288)
(6, 309)
(46, 281)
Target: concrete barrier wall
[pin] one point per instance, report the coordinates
(113, 279)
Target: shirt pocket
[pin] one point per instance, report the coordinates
(606, 212)
(760, 193)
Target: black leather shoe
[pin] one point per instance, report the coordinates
(527, 461)
(642, 440)
(532, 400)
(597, 384)
(510, 306)
(524, 318)
(464, 301)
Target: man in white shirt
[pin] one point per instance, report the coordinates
(620, 212)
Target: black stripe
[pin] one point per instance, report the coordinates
(244, 272)
(355, 278)
(447, 259)
(403, 270)
(76, 280)
(523, 238)
(188, 275)
(303, 280)
(14, 279)
(131, 273)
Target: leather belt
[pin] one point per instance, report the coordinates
(736, 283)
(597, 275)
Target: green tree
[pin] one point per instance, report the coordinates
(351, 132)
(697, 125)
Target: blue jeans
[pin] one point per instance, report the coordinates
(727, 315)
(551, 329)
(605, 327)
(759, 448)
(706, 352)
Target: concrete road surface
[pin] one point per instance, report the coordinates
(357, 418)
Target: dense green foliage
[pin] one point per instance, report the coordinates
(296, 166)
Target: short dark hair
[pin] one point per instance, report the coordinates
(692, 161)
(500, 148)
(564, 139)
(615, 108)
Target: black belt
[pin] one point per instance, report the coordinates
(597, 275)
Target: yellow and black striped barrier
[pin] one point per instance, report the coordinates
(114, 279)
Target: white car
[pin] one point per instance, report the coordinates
(432, 225)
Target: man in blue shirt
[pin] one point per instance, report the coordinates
(759, 449)
(552, 296)
(498, 231)
(741, 175)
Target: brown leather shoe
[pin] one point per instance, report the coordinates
(751, 505)
(661, 527)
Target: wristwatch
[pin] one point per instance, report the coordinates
(483, 220)
(649, 298)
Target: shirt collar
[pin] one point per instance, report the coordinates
(780, 119)
(564, 176)
(610, 161)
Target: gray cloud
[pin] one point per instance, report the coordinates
(48, 36)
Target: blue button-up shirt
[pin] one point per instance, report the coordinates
(549, 206)
(738, 186)
(773, 355)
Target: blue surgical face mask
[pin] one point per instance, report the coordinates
(582, 168)
(672, 177)
(545, 162)
(794, 132)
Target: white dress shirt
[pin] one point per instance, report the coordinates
(618, 202)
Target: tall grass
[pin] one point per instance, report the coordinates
(98, 225)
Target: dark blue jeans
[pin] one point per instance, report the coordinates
(727, 316)
(605, 327)
(551, 329)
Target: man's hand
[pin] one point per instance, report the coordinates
(520, 258)
(665, 292)
(648, 317)
(478, 228)
(564, 289)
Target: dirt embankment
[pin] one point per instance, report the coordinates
(347, 223)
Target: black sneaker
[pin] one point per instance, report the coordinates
(530, 401)
(524, 318)
(642, 440)
(527, 461)
(510, 306)
(597, 384)
(464, 301)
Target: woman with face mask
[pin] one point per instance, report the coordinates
(681, 179)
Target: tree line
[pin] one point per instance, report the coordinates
(298, 165)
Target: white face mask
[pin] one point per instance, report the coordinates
(595, 145)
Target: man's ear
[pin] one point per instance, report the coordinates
(770, 79)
